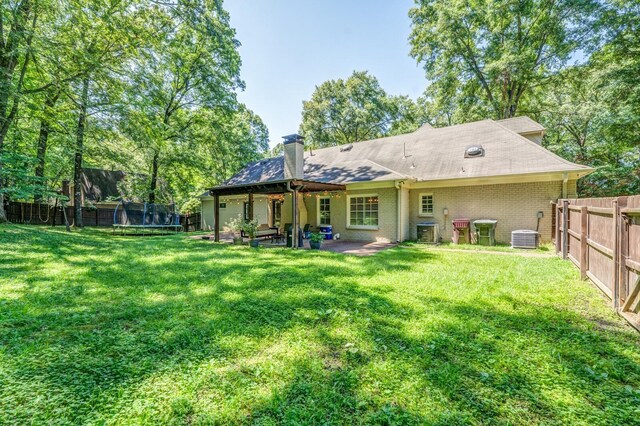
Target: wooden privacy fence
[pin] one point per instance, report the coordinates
(45, 214)
(601, 236)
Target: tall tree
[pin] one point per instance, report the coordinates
(195, 65)
(17, 23)
(51, 98)
(356, 109)
(83, 106)
(592, 111)
(106, 36)
(497, 50)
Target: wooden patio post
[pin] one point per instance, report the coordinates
(584, 234)
(216, 218)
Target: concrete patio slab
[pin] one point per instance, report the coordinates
(355, 248)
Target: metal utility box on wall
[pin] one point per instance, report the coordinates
(485, 231)
(428, 232)
(524, 238)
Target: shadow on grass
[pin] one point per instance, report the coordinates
(100, 317)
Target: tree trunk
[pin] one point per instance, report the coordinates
(9, 58)
(77, 165)
(3, 213)
(43, 138)
(154, 178)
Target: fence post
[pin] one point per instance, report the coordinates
(558, 235)
(623, 252)
(565, 229)
(616, 251)
(584, 247)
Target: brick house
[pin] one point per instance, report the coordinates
(380, 190)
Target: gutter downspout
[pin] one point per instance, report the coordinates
(565, 179)
(398, 186)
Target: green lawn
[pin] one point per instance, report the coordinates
(101, 329)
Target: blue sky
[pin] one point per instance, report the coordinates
(289, 47)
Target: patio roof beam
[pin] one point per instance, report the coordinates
(275, 187)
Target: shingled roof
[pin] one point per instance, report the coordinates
(426, 154)
(522, 125)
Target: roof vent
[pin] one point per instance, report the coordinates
(346, 147)
(474, 151)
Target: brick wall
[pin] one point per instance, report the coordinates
(234, 207)
(287, 211)
(387, 212)
(513, 205)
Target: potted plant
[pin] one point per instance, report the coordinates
(315, 240)
(251, 229)
(235, 226)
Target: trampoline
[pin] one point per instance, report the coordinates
(145, 218)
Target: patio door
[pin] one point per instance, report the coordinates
(276, 212)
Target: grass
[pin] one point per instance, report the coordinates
(499, 247)
(97, 329)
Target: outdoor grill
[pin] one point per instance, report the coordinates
(485, 231)
(428, 232)
(461, 229)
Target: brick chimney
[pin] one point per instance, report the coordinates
(293, 156)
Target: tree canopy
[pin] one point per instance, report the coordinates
(496, 51)
(150, 88)
(355, 109)
(574, 65)
(141, 86)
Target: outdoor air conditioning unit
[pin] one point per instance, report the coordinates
(428, 233)
(524, 238)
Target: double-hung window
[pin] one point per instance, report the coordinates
(363, 211)
(426, 204)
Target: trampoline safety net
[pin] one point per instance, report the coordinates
(145, 214)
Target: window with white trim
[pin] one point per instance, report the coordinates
(324, 211)
(363, 211)
(426, 204)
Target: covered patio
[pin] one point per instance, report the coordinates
(295, 187)
(355, 248)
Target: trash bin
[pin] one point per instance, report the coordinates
(485, 231)
(461, 229)
(288, 230)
